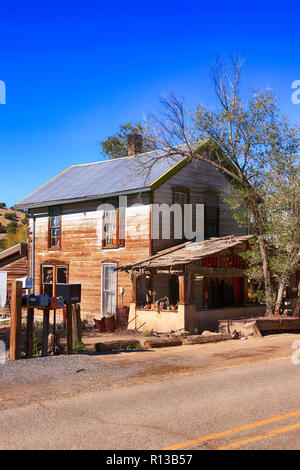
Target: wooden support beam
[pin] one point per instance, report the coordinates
(186, 287)
(76, 324)
(45, 332)
(15, 321)
(133, 288)
(29, 332)
(69, 329)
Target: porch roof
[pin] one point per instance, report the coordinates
(189, 252)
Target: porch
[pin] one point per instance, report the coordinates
(191, 287)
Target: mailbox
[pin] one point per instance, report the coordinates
(60, 302)
(32, 300)
(70, 292)
(52, 303)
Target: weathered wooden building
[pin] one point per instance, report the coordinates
(14, 261)
(80, 232)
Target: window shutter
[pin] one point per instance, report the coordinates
(121, 227)
(103, 230)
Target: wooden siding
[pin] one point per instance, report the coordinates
(81, 247)
(198, 177)
(81, 236)
(16, 268)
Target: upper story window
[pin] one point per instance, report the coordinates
(181, 196)
(113, 227)
(211, 215)
(54, 228)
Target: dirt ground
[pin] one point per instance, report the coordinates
(90, 336)
(30, 380)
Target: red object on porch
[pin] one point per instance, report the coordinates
(110, 323)
(100, 325)
(238, 290)
(122, 317)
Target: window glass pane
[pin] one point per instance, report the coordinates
(54, 211)
(48, 280)
(110, 226)
(61, 275)
(47, 274)
(48, 290)
(55, 237)
(55, 221)
(180, 197)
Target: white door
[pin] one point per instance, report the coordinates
(109, 289)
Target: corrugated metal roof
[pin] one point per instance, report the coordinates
(188, 252)
(90, 181)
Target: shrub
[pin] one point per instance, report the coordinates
(12, 227)
(79, 348)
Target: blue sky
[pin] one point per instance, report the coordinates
(76, 70)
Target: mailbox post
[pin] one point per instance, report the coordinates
(72, 296)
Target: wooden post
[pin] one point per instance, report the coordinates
(69, 329)
(133, 287)
(45, 332)
(76, 324)
(29, 332)
(186, 288)
(16, 321)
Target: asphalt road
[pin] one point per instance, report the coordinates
(246, 406)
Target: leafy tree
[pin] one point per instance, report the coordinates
(2, 205)
(116, 146)
(10, 215)
(244, 139)
(282, 222)
(25, 219)
(12, 227)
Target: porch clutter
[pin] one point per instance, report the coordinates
(258, 326)
(191, 286)
(117, 345)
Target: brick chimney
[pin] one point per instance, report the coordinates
(135, 144)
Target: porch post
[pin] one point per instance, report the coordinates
(132, 322)
(133, 287)
(186, 288)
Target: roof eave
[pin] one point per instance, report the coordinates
(82, 199)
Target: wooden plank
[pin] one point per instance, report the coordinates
(69, 329)
(199, 339)
(29, 332)
(76, 324)
(16, 321)
(45, 332)
(117, 345)
(162, 343)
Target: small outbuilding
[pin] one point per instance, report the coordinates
(14, 261)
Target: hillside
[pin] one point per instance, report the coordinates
(17, 217)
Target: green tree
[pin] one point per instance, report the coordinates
(9, 215)
(116, 146)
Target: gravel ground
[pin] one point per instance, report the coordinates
(34, 380)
